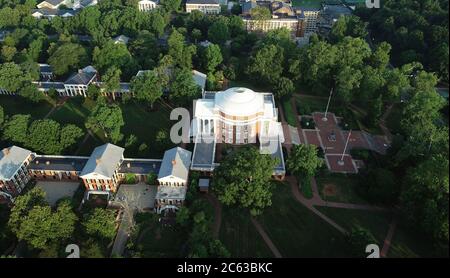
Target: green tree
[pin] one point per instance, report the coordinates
(183, 88)
(243, 179)
(31, 93)
(212, 57)
(15, 128)
(303, 160)
(283, 87)
(424, 197)
(113, 55)
(107, 118)
(147, 87)
(171, 5)
(8, 53)
(111, 80)
(67, 57)
(100, 223)
(358, 239)
(41, 227)
(23, 204)
(70, 134)
(183, 216)
(12, 78)
(267, 63)
(179, 51)
(218, 32)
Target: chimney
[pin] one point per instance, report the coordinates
(129, 165)
(174, 162)
(47, 162)
(6, 151)
(97, 161)
(37, 161)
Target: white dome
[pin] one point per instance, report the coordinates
(239, 101)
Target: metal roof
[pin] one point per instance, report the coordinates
(10, 161)
(104, 160)
(176, 162)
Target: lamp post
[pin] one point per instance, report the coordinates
(328, 104)
(341, 161)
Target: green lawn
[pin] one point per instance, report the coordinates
(408, 243)
(240, 236)
(157, 241)
(16, 105)
(298, 232)
(289, 113)
(374, 221)
(339, 188)
(139, 120)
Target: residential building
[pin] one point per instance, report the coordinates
(51, 13)
(173, 179)
(45, 72)
(147, 5)
(331, 13)
(77, 84)
(311, 16)
(121, 39)
(54, 4)
(205, 6)
(283, 15)
(13, 169)
(174, 169)
(101, 170)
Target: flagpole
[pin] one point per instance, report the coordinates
(341, 161)
(328, 104)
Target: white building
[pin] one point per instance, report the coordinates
(13, 169)
(173, 179)
(205, 6)
(146, 5)
(101, 170)
(236, 116)
(77, 84)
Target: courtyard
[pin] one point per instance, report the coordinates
(56, 190)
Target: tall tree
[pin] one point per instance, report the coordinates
(67, 57)
(183, 88)
(304, 160)
(147, 87)
(266, 64)
(243, 179)
(212, 57)
(15, 128)
(107, 118)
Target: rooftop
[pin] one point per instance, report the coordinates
(10, 161)
(176, 162)
(103, 161)
(171, 192)
(209, 2)
(239, 101)
(58, 163)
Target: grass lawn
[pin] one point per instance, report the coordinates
(305, 187)
(298, 232)
(289, 113)
(377, 222)
(408, 243)
(139, 120)
(74, 111)
(156, 241)
(307, 3)
(17, 105)
(334, 187)
(240, 236)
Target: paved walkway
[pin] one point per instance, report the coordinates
(388, 239)
(266, 238)
(58, 105)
